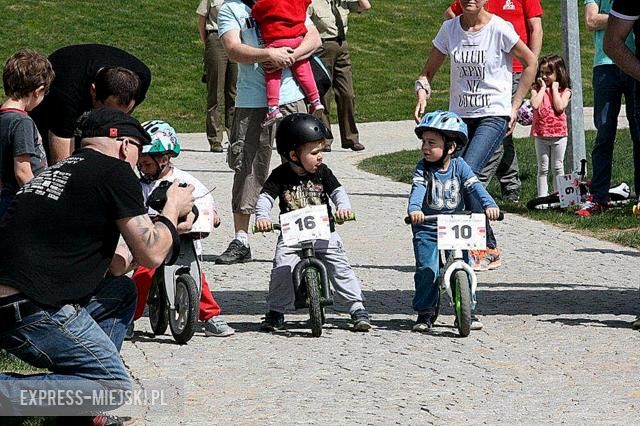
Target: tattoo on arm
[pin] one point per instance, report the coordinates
(148, 231)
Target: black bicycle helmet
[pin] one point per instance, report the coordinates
(297, 129)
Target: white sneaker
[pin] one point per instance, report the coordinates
(217, 327)
(475, 323)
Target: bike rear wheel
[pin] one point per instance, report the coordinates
(158, 306)
(312, 282)
(462, 302)
(184, 318)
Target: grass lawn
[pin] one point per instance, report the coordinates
(388, 46)
(617, 225)
(10, 363)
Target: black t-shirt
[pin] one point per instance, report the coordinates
(298, 191)
(69, 96)
(630, 9)
(59, 235)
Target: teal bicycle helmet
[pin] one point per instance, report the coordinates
(446, 122)
(163, 139)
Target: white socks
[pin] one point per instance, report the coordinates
(243, 237)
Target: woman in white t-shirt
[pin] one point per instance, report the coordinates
(479, 46)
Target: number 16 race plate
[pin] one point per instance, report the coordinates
(308, 223)
(465, 232)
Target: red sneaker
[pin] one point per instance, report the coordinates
(590, 208)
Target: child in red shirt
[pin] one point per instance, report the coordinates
(282, 24)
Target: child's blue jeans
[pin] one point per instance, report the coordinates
(425, 248)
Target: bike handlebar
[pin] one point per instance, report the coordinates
(276, 226)
(434, 217)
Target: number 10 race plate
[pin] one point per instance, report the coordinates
(308, 223)
(465, 232)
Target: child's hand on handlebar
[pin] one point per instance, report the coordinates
(343, 214)
(417, 217)
(264, 225)
(493, 213)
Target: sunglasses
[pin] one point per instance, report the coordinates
(131, 141)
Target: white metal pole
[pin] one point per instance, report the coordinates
(575, 112)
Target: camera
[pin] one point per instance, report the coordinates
(158, 197)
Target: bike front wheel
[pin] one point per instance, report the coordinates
(312, 282)
(462, 302)
(184, 317)
(158, 306)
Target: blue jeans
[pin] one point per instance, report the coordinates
(612, 84)
(425, 249)
(485, 136)
(78, 344)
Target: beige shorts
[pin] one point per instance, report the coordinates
(249, 154)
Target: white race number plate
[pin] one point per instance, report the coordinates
(308, 223)
(465, 232)
(568, 189)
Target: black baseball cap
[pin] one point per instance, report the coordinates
(111, 123)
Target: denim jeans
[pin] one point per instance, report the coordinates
(425, 248)
(485, 135)
(78, 344)
(504, 162)
(612, 83)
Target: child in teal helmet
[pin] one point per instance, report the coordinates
(440, 185)
(155, 166)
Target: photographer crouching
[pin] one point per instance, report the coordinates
(59, 307)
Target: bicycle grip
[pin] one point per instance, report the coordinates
(274, 227)
(352, 216)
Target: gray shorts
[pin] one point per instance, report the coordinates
(249, 154)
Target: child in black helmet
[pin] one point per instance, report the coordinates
(440, 185)
(305, 180)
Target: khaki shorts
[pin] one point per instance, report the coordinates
(249, 154)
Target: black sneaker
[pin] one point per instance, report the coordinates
(423, 323)
(129, 334)
(360, 320)
(273, 321)
(235, 253)
(512, 196)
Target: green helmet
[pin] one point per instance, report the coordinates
(164, 139)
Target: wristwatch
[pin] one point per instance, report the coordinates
(423, 84)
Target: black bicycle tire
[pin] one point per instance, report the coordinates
(183, 335)
(158, 307)
(551, 201)
(462, 302)
(312, 281)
